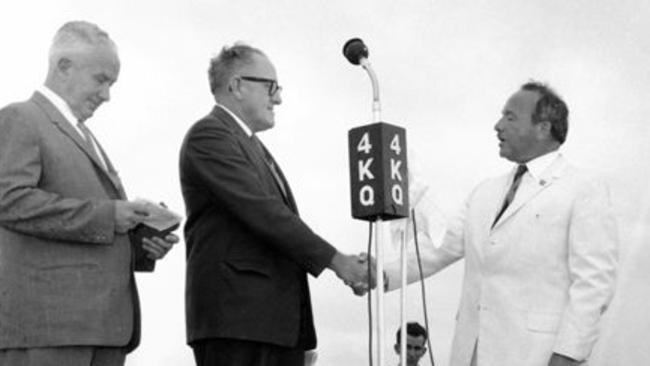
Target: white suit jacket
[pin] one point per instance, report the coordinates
(538, 281)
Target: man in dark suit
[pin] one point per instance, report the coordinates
(67, 290)
(248, 251)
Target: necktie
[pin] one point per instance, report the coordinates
(268, 159)
(521, 169)
(88, 137)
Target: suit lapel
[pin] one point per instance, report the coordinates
(255, 155)
(111, 173)
(289, 196)
(527, 192)
(66, 127)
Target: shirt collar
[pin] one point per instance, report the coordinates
(241, 123)
(537, 166)
(59, 103)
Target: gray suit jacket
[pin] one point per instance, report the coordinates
(66, 277)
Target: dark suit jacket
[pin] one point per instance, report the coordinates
(248, 252)
(66, 278)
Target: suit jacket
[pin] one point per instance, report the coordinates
(248, 252)
(539, 280)
(66, 277)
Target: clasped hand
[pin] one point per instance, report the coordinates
(353, 270)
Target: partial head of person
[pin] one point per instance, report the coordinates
(533, 122)
(416, 339)
(83, 65)
(244, 80)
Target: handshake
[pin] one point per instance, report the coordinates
(353, 271)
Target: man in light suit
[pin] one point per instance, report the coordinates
(248, 251)
(539, 244)
(67, 289)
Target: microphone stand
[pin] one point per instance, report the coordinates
(379, 228)
(360, 57)
(376, 105)
(379, 250)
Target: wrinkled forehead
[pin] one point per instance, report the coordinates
(260, 66)
(521, 103)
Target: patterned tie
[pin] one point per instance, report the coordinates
(521, 169)
(268, 159)
(89, 139)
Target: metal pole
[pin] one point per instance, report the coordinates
(376, 105)
(379, 255)
(403, 270)
(379, 229)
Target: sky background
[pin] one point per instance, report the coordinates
(445, 69)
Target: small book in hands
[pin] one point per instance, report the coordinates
(159, 223)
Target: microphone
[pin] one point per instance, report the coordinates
(355, 51)
(378, 171)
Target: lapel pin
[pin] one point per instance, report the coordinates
(542, 182)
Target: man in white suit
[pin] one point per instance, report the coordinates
(539, 244)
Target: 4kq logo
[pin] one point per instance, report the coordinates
(378, 171)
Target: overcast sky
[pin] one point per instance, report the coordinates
(445, 70)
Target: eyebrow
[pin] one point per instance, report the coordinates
(508, 113)
(102, 77)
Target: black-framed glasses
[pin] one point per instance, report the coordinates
(274, 87)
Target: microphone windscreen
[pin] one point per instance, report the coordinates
(354, 50)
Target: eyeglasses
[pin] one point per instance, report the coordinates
(273, 84)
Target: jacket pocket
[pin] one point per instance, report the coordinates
(542, 322)
(249, 266)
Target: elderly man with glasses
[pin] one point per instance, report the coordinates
(248, 251)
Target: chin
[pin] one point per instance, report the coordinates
(506, 154)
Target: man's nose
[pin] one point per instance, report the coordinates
(497, 126)
(277, 97)
(105, 93)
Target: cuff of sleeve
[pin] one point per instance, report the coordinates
(572, 347)
(321, 261)
(101, 227)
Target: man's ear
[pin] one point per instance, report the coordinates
(234, 85)
(63, 65)
(544, 127)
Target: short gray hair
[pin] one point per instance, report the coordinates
(229, 60)
(78, 37)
